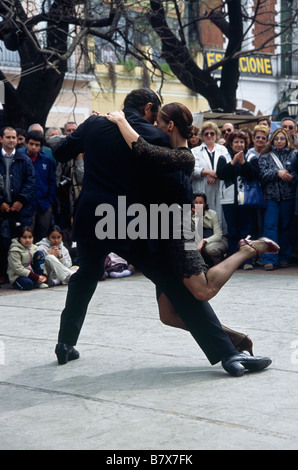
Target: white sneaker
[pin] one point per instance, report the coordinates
(42, 286)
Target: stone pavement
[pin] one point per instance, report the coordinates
(144, 386)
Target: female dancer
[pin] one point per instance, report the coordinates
(176, 120)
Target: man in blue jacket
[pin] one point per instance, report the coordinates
(45, 188)
(17, 172)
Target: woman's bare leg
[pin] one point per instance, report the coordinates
(170, 317)
(206, 286)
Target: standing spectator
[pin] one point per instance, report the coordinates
(291, 127)
(226, 130)
(278, 182)
(294, 254)
(21, 137)
(195, 140)
(17, 174)
(45, 194)
(264, 121)
(45, 149)
(52, 131)
(260, 139)
(249, 137)
(69, 179)
(205, 178)
(231, 169)
(69, 127)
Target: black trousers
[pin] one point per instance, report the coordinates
(198, 316)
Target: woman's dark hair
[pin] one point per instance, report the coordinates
(54, 228)
(236, 135)
(203, 195)
(22, 229)
(181, 117)
(138, 99)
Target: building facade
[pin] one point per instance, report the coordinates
(268, 78)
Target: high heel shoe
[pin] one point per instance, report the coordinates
(241, 341)
(272, 247)
(245, 345)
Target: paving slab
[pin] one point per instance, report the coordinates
(140, 385)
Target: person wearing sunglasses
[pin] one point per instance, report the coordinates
(290, 125)
(279, 186)
(226, 130)
(204, 179)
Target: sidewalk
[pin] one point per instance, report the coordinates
(144, 386)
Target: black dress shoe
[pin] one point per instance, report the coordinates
(66, 353)
(238, 363)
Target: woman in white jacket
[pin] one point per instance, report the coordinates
(57, 258)
(204, 179)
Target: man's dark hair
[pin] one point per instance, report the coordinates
(35, 135)
(140, 97)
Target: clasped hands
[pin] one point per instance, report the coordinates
(16, 207)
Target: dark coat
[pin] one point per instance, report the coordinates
(22, 189)
(110, 170)
(275, 188)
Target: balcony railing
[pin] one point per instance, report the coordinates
(11, 59)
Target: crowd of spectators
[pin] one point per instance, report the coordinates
(38, 193)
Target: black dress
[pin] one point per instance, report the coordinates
(182, 257)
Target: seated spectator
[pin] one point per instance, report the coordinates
(57, 258)
(214, 246)
(115, 266)
(25, 262)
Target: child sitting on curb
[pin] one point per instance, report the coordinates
(25, 262)
(57, 258)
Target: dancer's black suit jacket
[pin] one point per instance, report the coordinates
(111, 170)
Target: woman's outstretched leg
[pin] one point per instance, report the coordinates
(170, 317)
(206, 286)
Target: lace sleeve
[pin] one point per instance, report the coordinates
(167, 158)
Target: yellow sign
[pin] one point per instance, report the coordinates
(255, 65)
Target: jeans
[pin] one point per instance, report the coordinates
(277, 225)
(239, 222)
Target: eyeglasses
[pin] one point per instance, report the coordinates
(288, 127)
(209, 133)
(259, 137)
(226, 130)
(279, 138)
